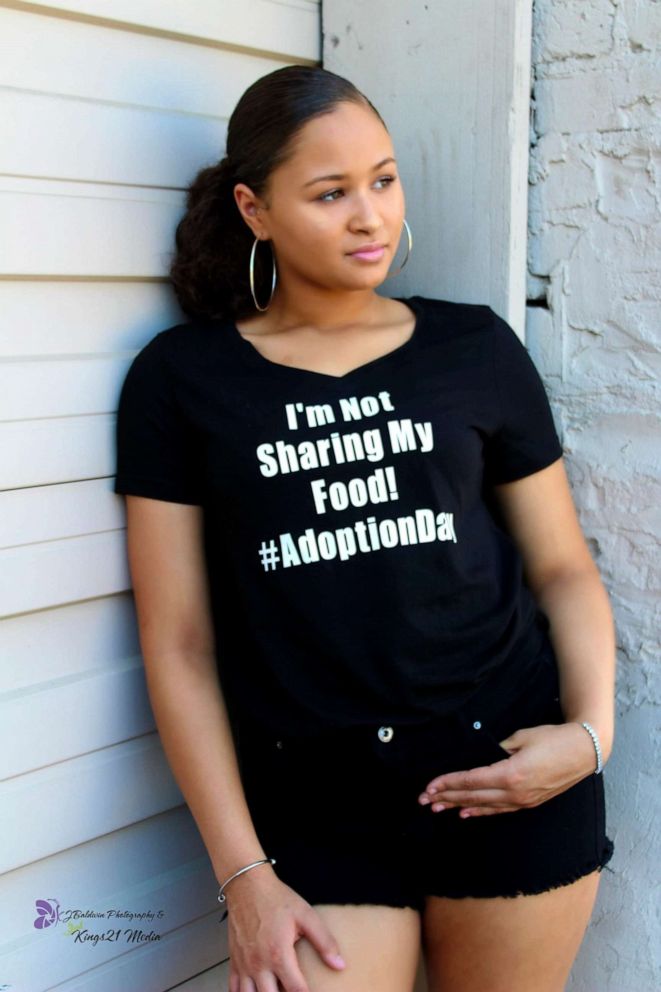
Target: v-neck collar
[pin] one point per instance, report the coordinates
(248, 351)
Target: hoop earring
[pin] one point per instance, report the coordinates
(252, 276)
(408, 251)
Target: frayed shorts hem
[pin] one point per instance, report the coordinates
(389, 896)
(532, 890)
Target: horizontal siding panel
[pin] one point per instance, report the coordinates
(288, 27)
(212, 980)
(80, 637)
(106, 790)
(60, 317)
(87, 60)
(115, 702)
(48, 513)
(103, 143)
(64, 449)
(152, 865)
(61, 228)
(54, 573)
(61, 388)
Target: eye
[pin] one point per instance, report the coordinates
(387, 179)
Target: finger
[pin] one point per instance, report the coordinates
(267, 982)
(440, 807)
(482, 797)
(322, 939)
(483, 776)
(472, 811)
(291, 976)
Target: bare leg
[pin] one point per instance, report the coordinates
(506, 944)
(380, 944)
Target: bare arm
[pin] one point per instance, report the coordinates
(541, 517)
(176, 637)
(168, 571)
(538, 512)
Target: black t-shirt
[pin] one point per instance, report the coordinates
(358, 568)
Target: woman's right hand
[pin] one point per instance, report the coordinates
(265, 919)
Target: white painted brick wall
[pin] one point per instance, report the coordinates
(594, 268)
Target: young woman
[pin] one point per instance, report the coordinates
(362, 588)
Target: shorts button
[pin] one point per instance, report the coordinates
(477, 725)
(385, 733)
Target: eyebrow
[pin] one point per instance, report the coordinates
(342, 175)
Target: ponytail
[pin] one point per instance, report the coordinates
(210, 238)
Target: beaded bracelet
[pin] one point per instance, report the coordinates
(597, 746)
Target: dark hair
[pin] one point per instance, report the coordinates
(209, 270)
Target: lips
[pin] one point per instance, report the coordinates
(372, 252)
(366, 249)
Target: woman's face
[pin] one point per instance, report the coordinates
(315, 223)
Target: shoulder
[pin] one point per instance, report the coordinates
(466, 316)
(173, 347)
(174, 339)
(460, 319)
(462, 324)
(164, 363)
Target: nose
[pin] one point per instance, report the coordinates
(365, 215)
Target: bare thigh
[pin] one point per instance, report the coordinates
(506, 944)
(380, 944)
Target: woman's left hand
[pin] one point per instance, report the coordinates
(544, 761)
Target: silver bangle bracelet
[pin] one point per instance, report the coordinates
(221, 895)
(597, 746)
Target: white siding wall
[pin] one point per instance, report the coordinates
(107, 110)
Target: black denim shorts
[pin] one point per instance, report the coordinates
(339, 811)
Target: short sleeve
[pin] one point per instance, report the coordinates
(525, 439)
(155, 447)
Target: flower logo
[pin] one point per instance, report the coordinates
(48, 913)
